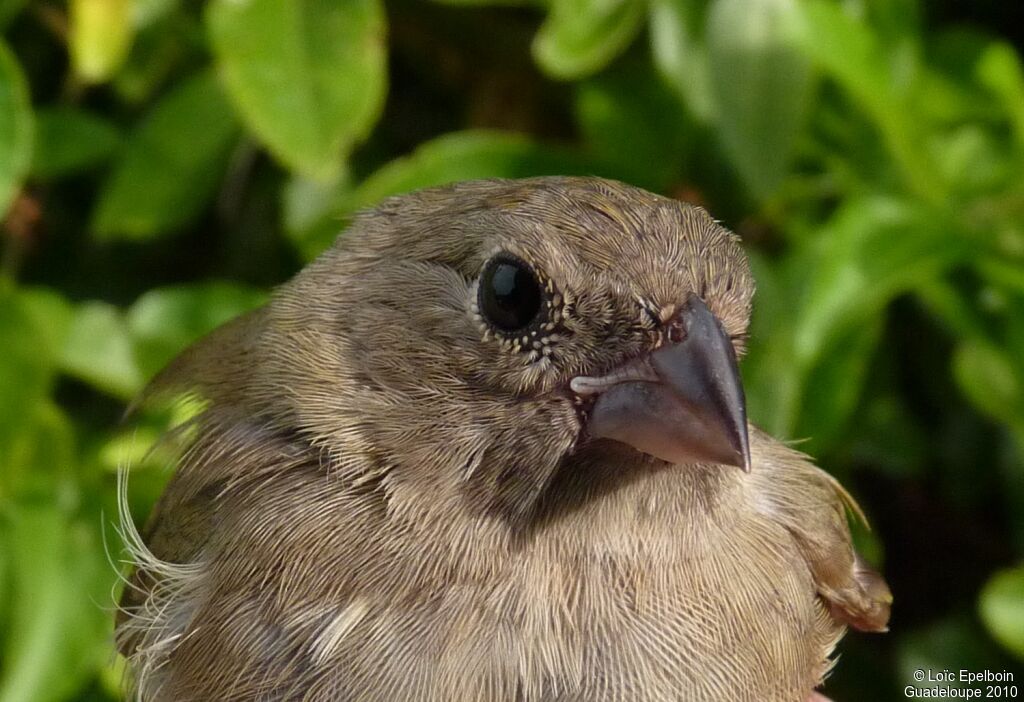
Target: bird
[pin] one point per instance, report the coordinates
(490, 446)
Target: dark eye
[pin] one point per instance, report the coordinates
(510, 296)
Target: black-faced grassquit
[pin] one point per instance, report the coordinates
(492, 446)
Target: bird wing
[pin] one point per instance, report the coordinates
(210, 455)
(813, 506)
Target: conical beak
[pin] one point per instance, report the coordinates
(682, 403)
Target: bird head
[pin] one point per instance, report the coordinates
(473, 342)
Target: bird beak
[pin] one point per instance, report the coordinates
(682, 403)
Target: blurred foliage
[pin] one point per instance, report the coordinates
(163, 164)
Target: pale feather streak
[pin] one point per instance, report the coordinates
(335, 632)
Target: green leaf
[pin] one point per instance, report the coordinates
(35, 438)
(99, 37)
(999, 70)
(70, 140)
(59, 618)
(467, 156)
(486, 3)
(848, 52)
(761, 85)
(895, 21)
(50, 315)
(165, 321)
(160, 53)
(148, 12)
(872, 250)
(45, 466)
(307, 77)
(447, 159)
(26, 369)
(171, 164)
(680, 54)
(833, 386)
(773, 382)
(5, 578)
(580, 37)
(98, 351)
(949, 307)
(834, 287)
(989, 378)
(948, 90)
(611, 105)
(305, 202)
(16, 127)
(1001, 606)
(972, 161)
(1006, 273)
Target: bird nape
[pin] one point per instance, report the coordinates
(493, 446)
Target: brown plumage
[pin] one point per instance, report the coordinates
(390, 497)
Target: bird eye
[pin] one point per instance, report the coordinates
(510, 295)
